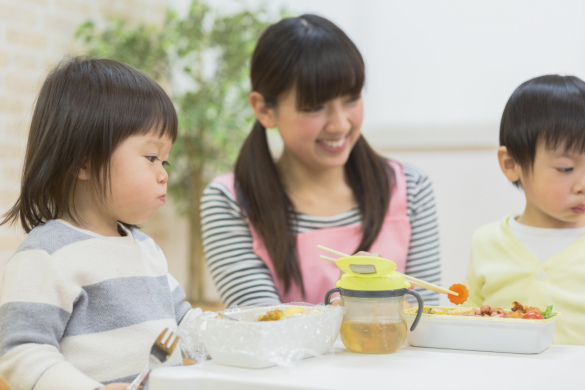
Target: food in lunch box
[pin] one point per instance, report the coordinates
(277, 314)
(517, 311)
(461, 290)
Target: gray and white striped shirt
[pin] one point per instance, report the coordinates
(79, 310)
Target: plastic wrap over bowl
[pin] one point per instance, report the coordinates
(243, 341)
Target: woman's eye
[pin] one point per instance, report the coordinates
(166, 164)
(564, 170)
(151, 158)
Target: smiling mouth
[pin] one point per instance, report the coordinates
(334, 145)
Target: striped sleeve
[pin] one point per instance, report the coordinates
(423, 261)
(181, 306)
(239, 275)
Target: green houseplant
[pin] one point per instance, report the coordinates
(202, 59)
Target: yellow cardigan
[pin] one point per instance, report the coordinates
(502, 270)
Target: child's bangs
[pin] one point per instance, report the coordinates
(568, 138)
(328, 70)
(566, 127)
(146, 109)
(153, 114)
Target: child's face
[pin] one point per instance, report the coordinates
(555, 189)
(138, 178)
(322, 137)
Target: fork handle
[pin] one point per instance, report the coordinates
(140, 380)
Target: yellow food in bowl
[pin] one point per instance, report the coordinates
(272, 315)
(291, 311)
(275, 315)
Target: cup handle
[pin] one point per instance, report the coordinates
(420, 307)
(329, 293)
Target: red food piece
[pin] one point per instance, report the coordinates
(461, 290)
(532, 315)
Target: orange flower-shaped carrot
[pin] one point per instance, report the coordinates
(461, 290)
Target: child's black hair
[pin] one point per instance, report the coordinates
(548, 109)
(86, 108)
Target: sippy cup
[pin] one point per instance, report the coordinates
(373, 297)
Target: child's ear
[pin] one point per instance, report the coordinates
(84, 173)
(264, 114)
(508, 165)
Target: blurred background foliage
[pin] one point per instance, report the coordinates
(202, 60)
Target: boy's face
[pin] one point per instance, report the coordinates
(554, 189)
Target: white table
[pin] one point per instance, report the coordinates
(557, 368)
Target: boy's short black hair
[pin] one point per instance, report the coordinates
(549, 109)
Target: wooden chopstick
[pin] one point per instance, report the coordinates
(412, 280)
(325, 249)
(429, 286)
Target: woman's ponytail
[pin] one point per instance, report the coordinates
(266, 205)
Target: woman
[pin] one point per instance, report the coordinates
(262, 224)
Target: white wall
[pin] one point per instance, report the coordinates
(453, 64)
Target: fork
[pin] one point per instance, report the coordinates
(159, 353)
(222, 314)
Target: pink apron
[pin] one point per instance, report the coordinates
(318, 275)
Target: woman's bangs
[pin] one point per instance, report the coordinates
(328, 71)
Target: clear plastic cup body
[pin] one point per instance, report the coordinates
(373, 325)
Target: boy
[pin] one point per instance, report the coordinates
(538, 257)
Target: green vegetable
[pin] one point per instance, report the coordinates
(548, 313)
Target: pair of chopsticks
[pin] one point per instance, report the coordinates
(414, 281)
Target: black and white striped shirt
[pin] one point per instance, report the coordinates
(242, 278)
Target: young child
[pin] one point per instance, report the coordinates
(538, 257)
(262, 224)
(86, 294)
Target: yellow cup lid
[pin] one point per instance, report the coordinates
(366, 266)
(368, 273)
